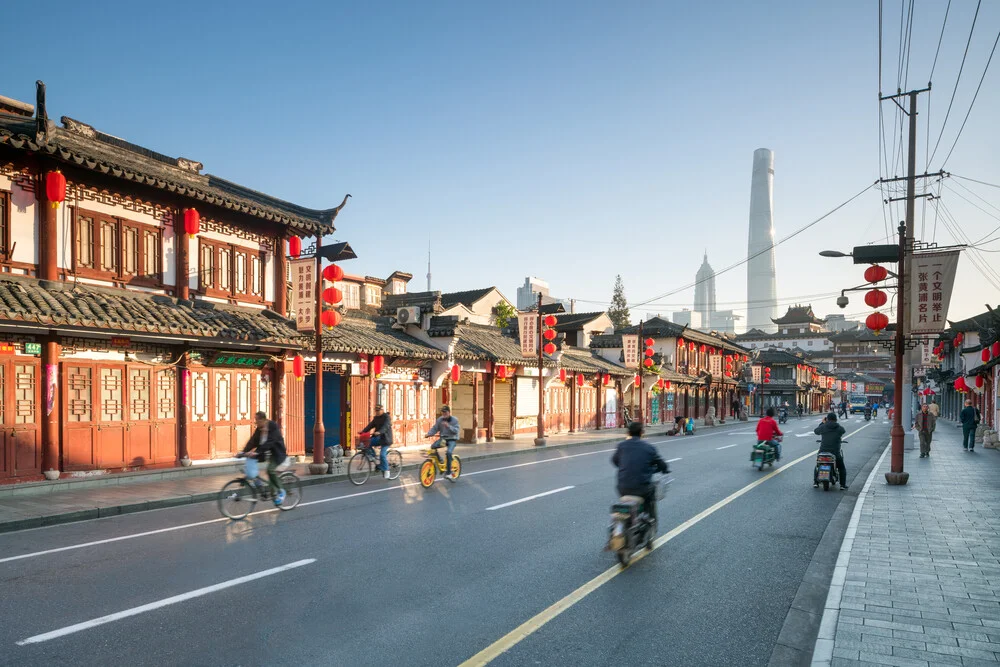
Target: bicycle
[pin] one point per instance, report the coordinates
(238, 497)
(360, 467)
(433, 464)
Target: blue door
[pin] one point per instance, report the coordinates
(331, 409)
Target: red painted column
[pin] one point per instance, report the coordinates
(491, 380)
(280, 277)
(181, 242)
(318, 466)
(48, 270)
(572, 404)
(183, 388)
(277, 391)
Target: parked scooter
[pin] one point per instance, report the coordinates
(826, 468)
(763, 454)
(632, 529)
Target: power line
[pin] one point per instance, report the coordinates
(969, 112)
(959, 235)
(940, 38)
(909, 46)
(957, 80)
(759, 253)
(972, 180)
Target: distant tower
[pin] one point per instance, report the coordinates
(762, 296)
(704, 292)
(428, 266)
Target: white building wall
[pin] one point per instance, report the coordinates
(24, 222)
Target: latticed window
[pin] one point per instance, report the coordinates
(227, 270)
(116, 249)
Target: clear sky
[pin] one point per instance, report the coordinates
(568, 140)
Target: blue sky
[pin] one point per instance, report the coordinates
(567, 140)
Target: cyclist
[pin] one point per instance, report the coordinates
(381, 424)
(447, 428)
(267, 439)
(768, 433)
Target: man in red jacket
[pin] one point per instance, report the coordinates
(768, 431)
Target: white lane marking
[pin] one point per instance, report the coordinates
(728, 446)
(134, 611)
(672, 460)
(804, 435)
(524, 500)
(158, 531)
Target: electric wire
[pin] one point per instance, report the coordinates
(973, 103)
(957, 80)
(959, 235)
(940, 39)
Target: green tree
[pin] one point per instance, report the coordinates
(618, 312)
(503, 313)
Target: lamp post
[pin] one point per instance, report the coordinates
(540, 435)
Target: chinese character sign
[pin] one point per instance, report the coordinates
(527, 324)
(304, 293)
(932, 277)
(630, 348)
(715, 365)
(756, 373)
(927, 356)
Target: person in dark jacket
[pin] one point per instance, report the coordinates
(970, 421)
(636, 461)
(925, 424)
(269, 443)
(381, 425)
(831, 434)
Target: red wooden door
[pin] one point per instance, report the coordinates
(221, 430)
(200, 409)
(164, 412)
(111, 416)
(20, 439)
(79, 428)
(294, 418)
(139, 427)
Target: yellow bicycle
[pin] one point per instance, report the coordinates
(433, 465)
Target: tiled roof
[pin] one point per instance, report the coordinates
(376, 337)
(777, 357)
(658, 327)
(90, 149)
(578, 360)
(574, 321)
(476, 341)
(977, 322)
(797, 315)
(466, 298)
(861, 334)
(126, 311)
(429, 302)
(757, 334)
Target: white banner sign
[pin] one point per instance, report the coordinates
(932, 277)
(927, 356)
(527, 324)
(756, 373)
(304, 293)
(715, 365)
(630, 348)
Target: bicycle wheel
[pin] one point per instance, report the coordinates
(395, 459)
(359, 469)
(293, 491)
(456, 467)
(237, 498)
(427, 474)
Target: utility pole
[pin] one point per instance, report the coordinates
(540, 435)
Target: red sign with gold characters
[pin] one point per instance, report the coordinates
(7, 348)
(120, 341)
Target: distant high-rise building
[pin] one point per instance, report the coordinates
(704, 292)
(688, 318)
(762, 296)
(527, 294)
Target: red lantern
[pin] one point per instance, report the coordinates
(648, 363)
(550, 348)
(606, 379)
(298, 366)
(330, 318)
(502, 372)
(55, 187)
(579, 379)
(995, 349)
(562, 374)
(701, 348)
(295, 247)
(985, 355)
(649, 342)
(691, 346)
(667, 386)
(550, 320)
(659, 383)
(680, 342)
(958, 339)
(876, 298)
(649, 352)
(456, 373)
(877, 322)
(979, 382)
(378, 364)
(333, 273)
(745, 358)
(332, 295)
(875, 273)
(192, 221)
(638, 381)
(549, 334)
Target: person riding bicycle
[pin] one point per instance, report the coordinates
(447, 428)
(381, 424)
(768, 433)
(267, 440)
(637, 460)
(831, 434)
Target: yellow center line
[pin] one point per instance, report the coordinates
(518, 634)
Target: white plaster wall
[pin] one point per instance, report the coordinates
(269, 285)
(24, 222)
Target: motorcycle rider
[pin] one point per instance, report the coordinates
(831, 433)
(768, 433)
(637, 460)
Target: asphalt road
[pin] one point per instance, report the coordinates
(390, 573)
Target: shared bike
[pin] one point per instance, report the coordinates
(239, 496)
(361, 465)
(433, 465)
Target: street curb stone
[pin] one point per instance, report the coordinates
(797, 640)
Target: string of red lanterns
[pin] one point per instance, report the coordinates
(549, 334)
(648, 353)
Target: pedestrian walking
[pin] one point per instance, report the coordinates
(934, 408)
(925, 424)
(736, 409)
(970, 420)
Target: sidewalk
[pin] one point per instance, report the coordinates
(918, 577)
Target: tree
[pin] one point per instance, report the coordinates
(618, 312)
(503, 313)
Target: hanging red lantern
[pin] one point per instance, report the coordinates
(680, 342)
(456, 373)
(562, 374)
(55, 187)
(638, 381)
(701, 348)
(192, 221)
(959, 383)
(606, 379)
(876, 298)
(875, 273)
(502, 372)
(332, 295)
(659, 383)
(979, 382)
(550, 320)
(958, 339)
(649, 352)
(692, 346)
(295, 247)
(648, 363)
(330, 318)
(649, 342)
(995, 349)
(549, 334)
(378, 365)
(579, 379)
(667, 385)
(333, 273)
(745, 358)
(985, 355)
(550, 348)
(298, 366)
(877, 322)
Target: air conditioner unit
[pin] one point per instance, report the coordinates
(408, 315)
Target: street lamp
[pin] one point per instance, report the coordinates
(833, 253)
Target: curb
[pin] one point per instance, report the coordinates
(797, 637)
(190, 499)
(823, 651)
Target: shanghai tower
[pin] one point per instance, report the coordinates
(762, 297)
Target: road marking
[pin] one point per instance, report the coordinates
(672, 460)
(196, 524)
(804, 435)
(524, 500)
(728, 446)
(518, 634)
(134, 611)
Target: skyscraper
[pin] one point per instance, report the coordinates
(762, 296)
(704, 292)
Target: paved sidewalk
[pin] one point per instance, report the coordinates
(918, 578)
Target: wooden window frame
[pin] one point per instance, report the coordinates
(256, 272)
(118, 275)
